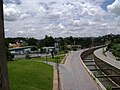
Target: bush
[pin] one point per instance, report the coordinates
(27, 56)
(109, 88)
(9, 56)
(55, 52)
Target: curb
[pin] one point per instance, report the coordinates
(64, 59)
(55, 79)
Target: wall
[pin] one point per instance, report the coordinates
(104, 62)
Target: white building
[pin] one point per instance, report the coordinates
(21, 50)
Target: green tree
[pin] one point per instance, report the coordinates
(61, 43)
(31, 41)
(48, 41)
(9, 56)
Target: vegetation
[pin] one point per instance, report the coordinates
(49, 41)
(27, 56)
(30, 75)
(9, 56)
(115, 49)
(47, 59)
(114, 45)
(62, 44)
(109, 87)
(61, 52)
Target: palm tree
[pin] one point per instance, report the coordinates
(3, 60)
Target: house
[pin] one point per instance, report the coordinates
(15, 45)
(72, 47)
(48, 49)
(21, 50)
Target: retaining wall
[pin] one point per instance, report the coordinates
(104, 62)
(89, 51)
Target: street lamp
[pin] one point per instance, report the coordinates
(58, 75)
(46, 57)
(3, 60)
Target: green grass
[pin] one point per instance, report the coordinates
(30, 75)
(116, 50)
(61, 52)
(49, 59)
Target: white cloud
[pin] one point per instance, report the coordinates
(37, 18)
(53, 15)
(11, 13)
(115, 7)
(61, 26)
(24, 15)
(76, 22)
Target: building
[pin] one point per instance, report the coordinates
(21, 50)
(74, 47)
(48, 49)
(15, 45)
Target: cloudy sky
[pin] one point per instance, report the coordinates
(61, 18)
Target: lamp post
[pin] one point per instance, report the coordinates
(3, 60)
(46, 57)
(58, 75)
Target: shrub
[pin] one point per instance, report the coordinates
(9, 56)
(109, 88)
(27, 56)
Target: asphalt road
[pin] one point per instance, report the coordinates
(73, 75)
(112, 61)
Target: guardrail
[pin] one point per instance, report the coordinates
(85, 53)
(89, 51)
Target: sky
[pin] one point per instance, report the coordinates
(61, 18)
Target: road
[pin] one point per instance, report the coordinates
(112, 61)
(73, 75)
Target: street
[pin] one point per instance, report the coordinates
(73, 75)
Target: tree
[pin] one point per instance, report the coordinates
(31, 41)
(61, 43)
(48, 41)
(69, 40)
(9, 56)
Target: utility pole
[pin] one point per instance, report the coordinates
(3, 61)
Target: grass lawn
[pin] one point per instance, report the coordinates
(49, 59)
(30, 75)
(61, 52)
